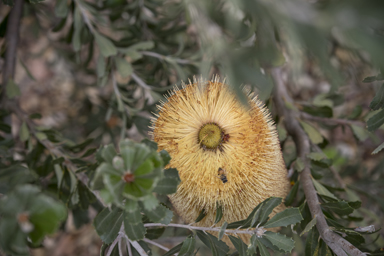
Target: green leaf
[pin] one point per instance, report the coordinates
(133, 226)
(174, 250)
(219, 212)
(299, 165)
(61, 8)
(321, 190)
(78, 26)
(201, 215)
(154, 233)
(101, 66)
(378, 100)
(217, 247)
(252, 247)
(341, 208)
(321, 100)
(287, 217)
(107, 48)
(24, 132)
(318, 111)
(324, 249)
(360, 132)
(222, 230)
(263, 250)
(312, 242)
(107, 224)
(309, 226)
(378, 149)
(26, 211)
(188, 246)
(166, 186)
(9, 2)
(240, 246)
(165, 156)
(108, 153)
(312, 132)
(292, 194)
(160, 214)
(376, 121)
(369, 79)
(256, 216)
(281, 241)
(123, 67)
(268, 207)
(150, 202)
(145, 45)
(12, 89)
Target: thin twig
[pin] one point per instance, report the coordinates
(140, 82)
(12, 41)
(163, 57)
(338, 244)
(86, 19)
(156, 244)
(135, 244)
(232, 231)
(331, 121)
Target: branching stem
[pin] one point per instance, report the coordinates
(339, 245)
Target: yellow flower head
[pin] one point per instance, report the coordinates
(226, 153)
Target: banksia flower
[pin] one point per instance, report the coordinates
(226, 154)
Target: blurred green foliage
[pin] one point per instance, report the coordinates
(132, 52)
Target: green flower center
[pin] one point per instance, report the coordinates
(210, 136)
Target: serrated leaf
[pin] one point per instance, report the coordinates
(341, 208)
(312, 242)
(312, 132)
(160, 214)
(107, 48)
(165, 156)
(24, 132)
(281, 241)
(378, 100)
(240, 246)
(287, 217)
(268, 207)
(262, 249)
(107, 224)
(268, 244)
(150, 202)
(322, 190)
(123, 67)
(12, 90)
(166, 186)
(309, 226)
(292, 194)
(219, 212)
(378, 149)
(360, 132)
(188, 246)
(222, 230)
(376, 121)
(133, 226)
